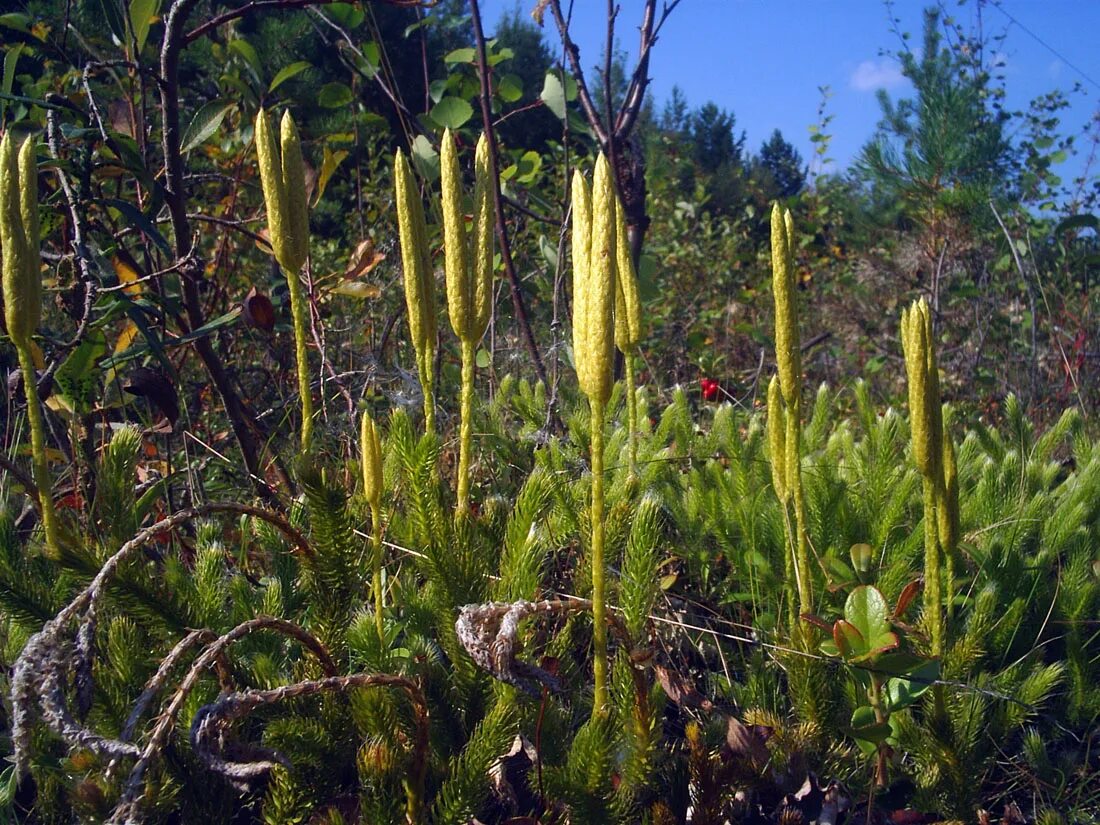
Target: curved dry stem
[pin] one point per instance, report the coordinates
(40, 673)
(489, 633)
(211, 723)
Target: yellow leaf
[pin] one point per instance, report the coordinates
(329, 164)
(127, 276)
(364, 259)
(127, 336)
(357, 289)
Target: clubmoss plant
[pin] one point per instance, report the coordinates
(594, 252)
(370, 448)
(788, 358)
(419, 281)
(926, 427)
(22, 288)
(469, 271)
(628, 327)
(282, 176)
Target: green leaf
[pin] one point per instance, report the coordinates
(335, 95)
(482, 359)
(1078, 222)
(452, 112)
(463, 55)
(284, 74)
(112, 13)
(10, 59)
(499, 56)
(425, 158)
(553, 95)
(900, 693)
(204, 124)
(848, 639)
(77, 376)
(136, 216)
(866, 728)
(142, 13)
(866, 609)
(346, 15)
(248, 53)
(140, 349)
(549, 251)
(14, 20)
(529, 166)
(510, 88)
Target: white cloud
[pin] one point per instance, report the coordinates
(876, 74)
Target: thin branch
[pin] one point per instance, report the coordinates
(498, 204)
(241, 421)
(574, 55)
(210, 724)
(128, 808)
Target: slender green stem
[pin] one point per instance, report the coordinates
(932, 593)
(424, 366)
(39, 467)
(599, 616)
(790, 576)
(298, 310)
(794, 481)
(631, 414)
(465, 428)
(874, 693)
(376, 579)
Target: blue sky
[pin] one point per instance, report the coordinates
(765, 59)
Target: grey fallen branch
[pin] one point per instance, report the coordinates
(489, 633)
(41, 673)
(244, 764)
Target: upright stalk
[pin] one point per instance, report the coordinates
(466, 411)
(282, 176)
(930, 453)
(419, 279)
(298, 310)
(370, 448)
(794, 476)
(468, 266)
(22, 287)
(932, 591)
(599, 614)
(631, 414)
(628, 326)
(376, 573)
(39, 467)
(788, 356)
(594, 334)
